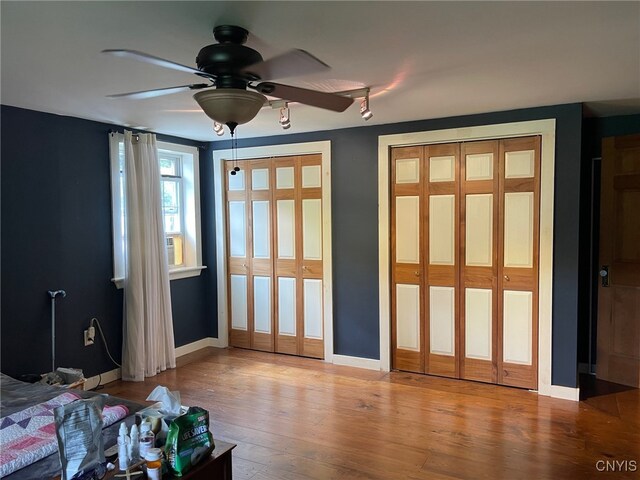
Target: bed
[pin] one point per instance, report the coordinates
(17, 396)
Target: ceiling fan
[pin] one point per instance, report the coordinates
(239, 78)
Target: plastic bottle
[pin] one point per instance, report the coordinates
(146, 439)
(134, 446)
(123, 448)
(154, 463)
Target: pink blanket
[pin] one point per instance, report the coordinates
(29, 435)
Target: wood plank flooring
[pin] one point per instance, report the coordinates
(295, 418)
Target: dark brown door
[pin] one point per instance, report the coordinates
(618, 357)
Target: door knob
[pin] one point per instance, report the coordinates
(604, 275)
(417, 274)
(506, 277)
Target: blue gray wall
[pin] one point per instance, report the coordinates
(56, 223)
(56, 234)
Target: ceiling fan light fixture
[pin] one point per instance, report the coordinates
(364, 107)
(285, 117)
(230, 105)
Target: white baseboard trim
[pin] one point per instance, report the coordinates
(368, 363)
(103, 378)
(199, 345)
(565, 393)
(116, 374)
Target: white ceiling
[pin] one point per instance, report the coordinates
(422, 59)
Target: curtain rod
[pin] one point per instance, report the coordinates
(136, 134)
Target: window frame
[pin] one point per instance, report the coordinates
(190, 208)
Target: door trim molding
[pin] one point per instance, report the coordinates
(547, 130)
(219, 156)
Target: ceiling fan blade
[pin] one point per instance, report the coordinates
(153, 60)
(160, 91)
(329, 101)
(289, 64)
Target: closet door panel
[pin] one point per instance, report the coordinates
(517, 361)
(310, 285)
(479, 258)
(239, 309)
(407, 227)
(238, 258)
(286, 262)
(440, 247)
(407, 257)
(408, 317)
(262, 304)
(260, 238)
(286, 312)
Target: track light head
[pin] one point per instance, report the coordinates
(218, 128)
(285, 118)
(364, 108)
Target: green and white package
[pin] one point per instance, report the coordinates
(188, 441)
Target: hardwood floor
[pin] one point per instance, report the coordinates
(297, 418)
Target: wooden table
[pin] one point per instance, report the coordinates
(216, 467)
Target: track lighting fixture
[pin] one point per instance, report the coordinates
(218, 128)
(279, 104)
(285, 119)
(364, 107)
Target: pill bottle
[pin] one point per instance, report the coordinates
(147, 438)
(154, 463)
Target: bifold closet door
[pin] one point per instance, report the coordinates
(250, 255)
(440, 251)
(499, 256)
(518, 252)
(478, 312)
(424, 218)
(298, 255)
(407, 259)
(464, 266)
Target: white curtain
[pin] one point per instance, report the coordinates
(148, 345)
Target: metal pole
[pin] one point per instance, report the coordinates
(53, 295)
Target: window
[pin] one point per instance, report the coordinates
(180, 208)
(172, 205)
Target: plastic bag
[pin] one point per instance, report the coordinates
(79, 432)
(188, 441)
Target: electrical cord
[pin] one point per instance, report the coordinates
(97, 322)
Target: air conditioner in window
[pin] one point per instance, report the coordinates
(171, 252)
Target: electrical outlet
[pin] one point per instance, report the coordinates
(89, 336)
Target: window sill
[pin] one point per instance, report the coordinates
(174, 274)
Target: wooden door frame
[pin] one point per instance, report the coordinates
(547, 130)
(219, 156)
